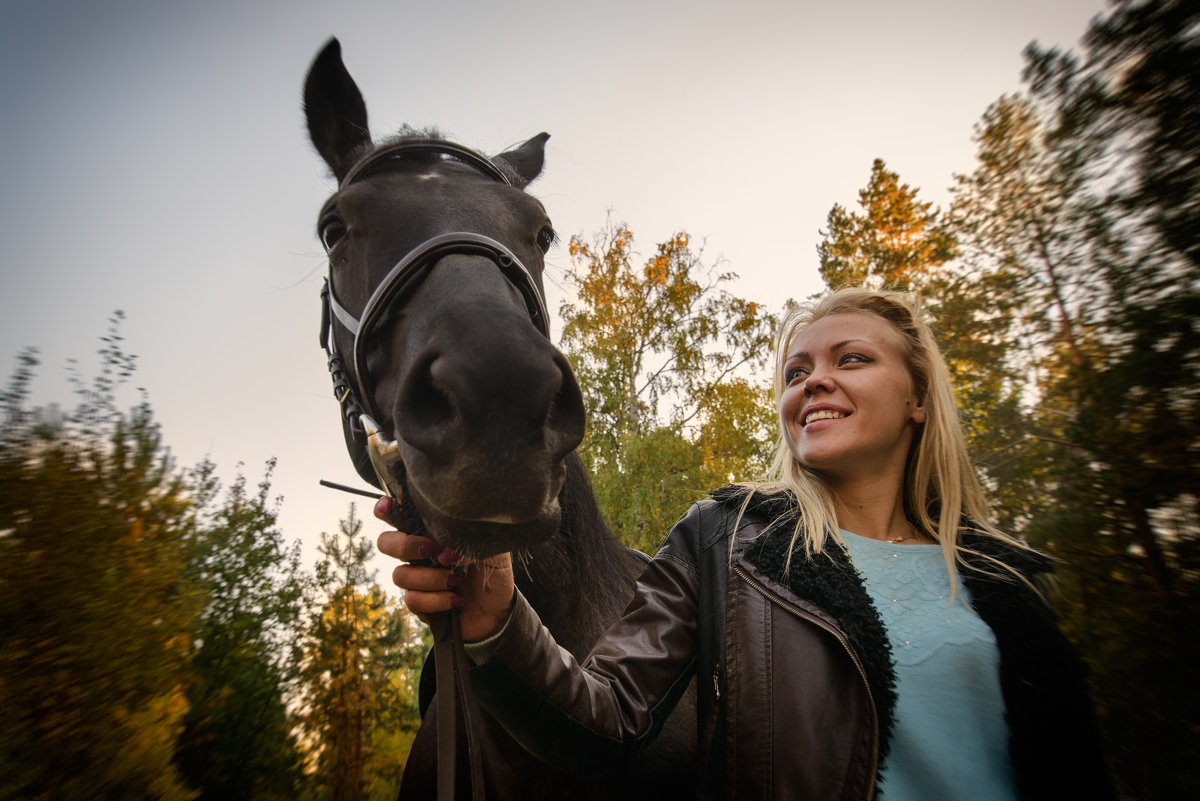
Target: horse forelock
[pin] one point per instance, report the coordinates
(408, 132)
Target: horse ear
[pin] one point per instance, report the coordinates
(527, 160)
(336, 113)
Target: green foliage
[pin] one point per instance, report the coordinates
(362, 654)
(1139, 84)
(94, 601)
(237, 741)
(150, 628)
(664, 356)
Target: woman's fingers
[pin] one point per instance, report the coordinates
(407, 547)
(384, 509)
(482, 589)
(426, 579)
(422, 604)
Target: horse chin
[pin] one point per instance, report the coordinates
(479, 539)
(466, 510)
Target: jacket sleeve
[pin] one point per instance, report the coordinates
(592, 717)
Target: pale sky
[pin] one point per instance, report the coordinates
(155, 160)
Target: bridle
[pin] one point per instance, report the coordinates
(353, 393)
(352, 390)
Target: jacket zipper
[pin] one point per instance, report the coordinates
(779, 602)
(711, 724)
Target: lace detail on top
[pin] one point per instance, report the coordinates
(949, 737)
(911, 588)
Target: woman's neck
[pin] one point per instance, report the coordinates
(875, 509)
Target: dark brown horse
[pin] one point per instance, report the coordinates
(438, 331)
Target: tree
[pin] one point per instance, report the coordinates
(1089, 283)
(1139, 84)
(1026, 211)
(1085, 197)
(237, 740)
(357, 705)
(666, 357)
(894, 242)
(94, 603)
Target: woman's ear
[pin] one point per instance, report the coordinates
(918, 415)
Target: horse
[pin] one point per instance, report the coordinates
(436, 326)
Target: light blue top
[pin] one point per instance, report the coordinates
(949, 737)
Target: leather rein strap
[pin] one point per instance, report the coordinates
(454, 696)
(453, 685)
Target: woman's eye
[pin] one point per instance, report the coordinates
(792, 373)
(853, 358)
(331, 233)
(545, 238)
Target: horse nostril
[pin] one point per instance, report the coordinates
(565, 418)
(513, 402)
(425, 407)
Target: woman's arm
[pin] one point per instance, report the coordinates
(589, 718)
(583, 718)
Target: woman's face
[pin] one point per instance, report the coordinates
(849, 410)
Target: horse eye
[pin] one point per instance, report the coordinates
(545, 238)
(331, 232)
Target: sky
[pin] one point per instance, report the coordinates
(154, 160)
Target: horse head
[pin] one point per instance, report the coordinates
(438, 327)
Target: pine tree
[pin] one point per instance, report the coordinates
(357, 705)
(894, 242)
(1085, 197)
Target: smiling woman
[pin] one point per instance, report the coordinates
(869, 360)
(849, 408)
(858, 627)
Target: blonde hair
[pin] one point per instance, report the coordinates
(941, 490)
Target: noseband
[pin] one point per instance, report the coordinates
(407, 274)
(450, 663)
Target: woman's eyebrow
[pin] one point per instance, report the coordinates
(803, 354)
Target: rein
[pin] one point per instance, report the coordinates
(454, 697)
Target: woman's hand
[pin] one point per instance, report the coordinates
(437, 579)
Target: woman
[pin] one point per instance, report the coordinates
(856, 626)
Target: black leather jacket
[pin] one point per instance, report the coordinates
(793, 670)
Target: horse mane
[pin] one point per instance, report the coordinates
(592, 543)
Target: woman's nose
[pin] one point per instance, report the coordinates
(818, 381)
